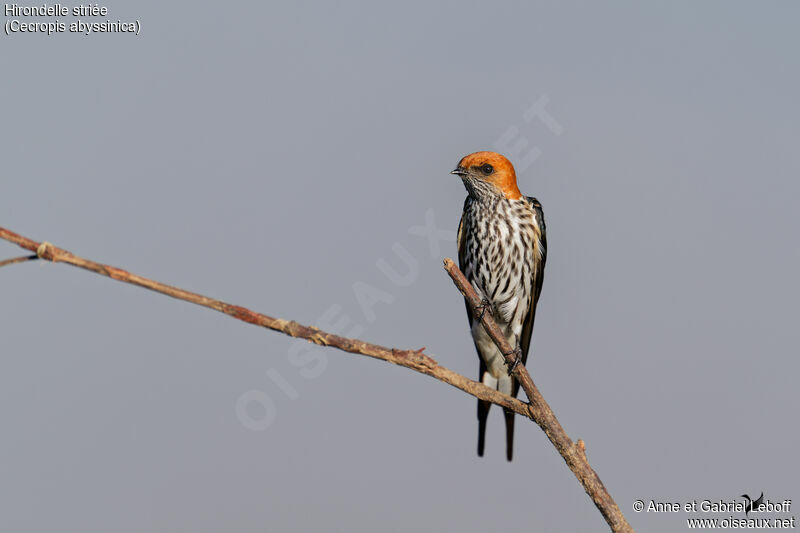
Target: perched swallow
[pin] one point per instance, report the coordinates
(501, 250)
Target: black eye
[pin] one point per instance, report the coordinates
(487, 169)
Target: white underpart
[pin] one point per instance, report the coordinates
(493, 278)
(496, 376)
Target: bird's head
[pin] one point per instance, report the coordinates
(488, 173)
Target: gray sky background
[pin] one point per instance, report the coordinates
(273, 155)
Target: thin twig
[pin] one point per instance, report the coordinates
(574, 454)
(536, 410)
(413, 359)
(18, 260)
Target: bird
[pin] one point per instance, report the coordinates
(752, 504)
(502, 250)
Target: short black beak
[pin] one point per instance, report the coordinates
(459, 171)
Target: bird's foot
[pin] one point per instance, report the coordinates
(483, 307)
(517, 353)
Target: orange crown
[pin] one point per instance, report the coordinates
(503, 177)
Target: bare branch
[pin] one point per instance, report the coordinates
(18, 260)
(574, 454)
(413, 359)
(536, 410)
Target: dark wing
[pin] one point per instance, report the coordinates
(483, 407)
(538, 279)
(462, 250)
(527, 327)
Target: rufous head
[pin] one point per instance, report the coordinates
(491, 168)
